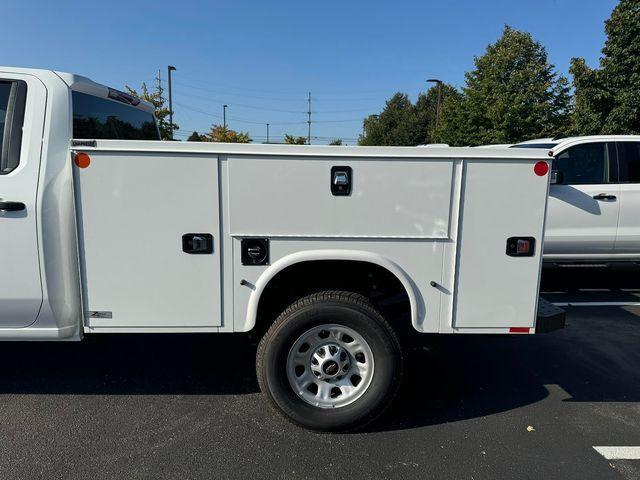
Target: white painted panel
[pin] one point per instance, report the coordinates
(134, 210)
(579, 224)
(628, 232)
(292, 197)
(500, 200)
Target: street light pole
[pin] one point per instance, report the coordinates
(439, 101)
(309, 120)
(267, 133)
(224, 116)
(170, 69)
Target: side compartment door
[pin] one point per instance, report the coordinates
(139, 216)
(22, 107)
(628, 237)
(582, 216)
(501, 199)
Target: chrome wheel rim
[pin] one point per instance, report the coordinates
(330, 366)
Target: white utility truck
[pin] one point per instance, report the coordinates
(329, 253)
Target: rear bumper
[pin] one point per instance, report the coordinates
(549, 317)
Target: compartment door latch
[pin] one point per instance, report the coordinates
(197, 243)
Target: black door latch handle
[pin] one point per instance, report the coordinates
(12, 206)
(197, 243)
(604, 196)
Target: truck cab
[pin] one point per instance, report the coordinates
(40, 111)
(594, 206)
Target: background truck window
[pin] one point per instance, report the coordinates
(585, 164)
(5, 89)
(104, 119)
(629, 157)
(12, 104)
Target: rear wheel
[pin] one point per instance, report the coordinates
(330, 362)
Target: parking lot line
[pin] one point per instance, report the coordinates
(619, 453)
(596, 304)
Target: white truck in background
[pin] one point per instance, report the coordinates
(327, 252)
(593, 215)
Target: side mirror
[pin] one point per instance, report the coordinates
(556, 177)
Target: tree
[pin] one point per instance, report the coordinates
(195, 137)
(336, 141)
(607, 100)
(403, 123)
(426, 111)
(513, 94)
(220, 133)
(452, 128)
(395, 125)
(161, 111)
(293, 140)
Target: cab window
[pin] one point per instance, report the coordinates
(629, 161)
(584, 164)
(13, 96)
(105, 119)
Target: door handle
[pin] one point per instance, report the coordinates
(12, 206)
(604, 196)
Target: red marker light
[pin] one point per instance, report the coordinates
(82, 160)
(541, 169)
(519, 330)
(523, 247)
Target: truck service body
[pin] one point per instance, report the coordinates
(111, 235)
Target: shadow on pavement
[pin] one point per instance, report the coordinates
(595, 359)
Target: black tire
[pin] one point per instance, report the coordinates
(330, 307)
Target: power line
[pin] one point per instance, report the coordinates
(336, 93)
(241, 120)
(244, 105)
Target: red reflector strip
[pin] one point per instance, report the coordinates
(519, 329)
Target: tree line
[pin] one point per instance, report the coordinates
(514, 94)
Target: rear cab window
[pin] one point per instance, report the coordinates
(13, 95)
(629, 161)
(106, 119)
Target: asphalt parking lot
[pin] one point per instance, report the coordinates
(188, 406)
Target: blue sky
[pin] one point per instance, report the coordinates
(262, 57)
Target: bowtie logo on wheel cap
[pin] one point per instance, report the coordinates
(331, 368)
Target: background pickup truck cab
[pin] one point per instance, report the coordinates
(594, 206)
(327, 252)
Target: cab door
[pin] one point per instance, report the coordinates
(22, 103)
(582, 214)
(628, 236)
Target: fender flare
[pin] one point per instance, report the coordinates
(316, 255)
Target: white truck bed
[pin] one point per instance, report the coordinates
(440, 215)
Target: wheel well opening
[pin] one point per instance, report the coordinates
(379, 285)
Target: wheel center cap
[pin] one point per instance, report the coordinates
(330, 368)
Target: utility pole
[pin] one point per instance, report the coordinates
(439, 101)
(159, 81)
(224, 116)
(309, 120)
(170, 69)
(267, 133)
